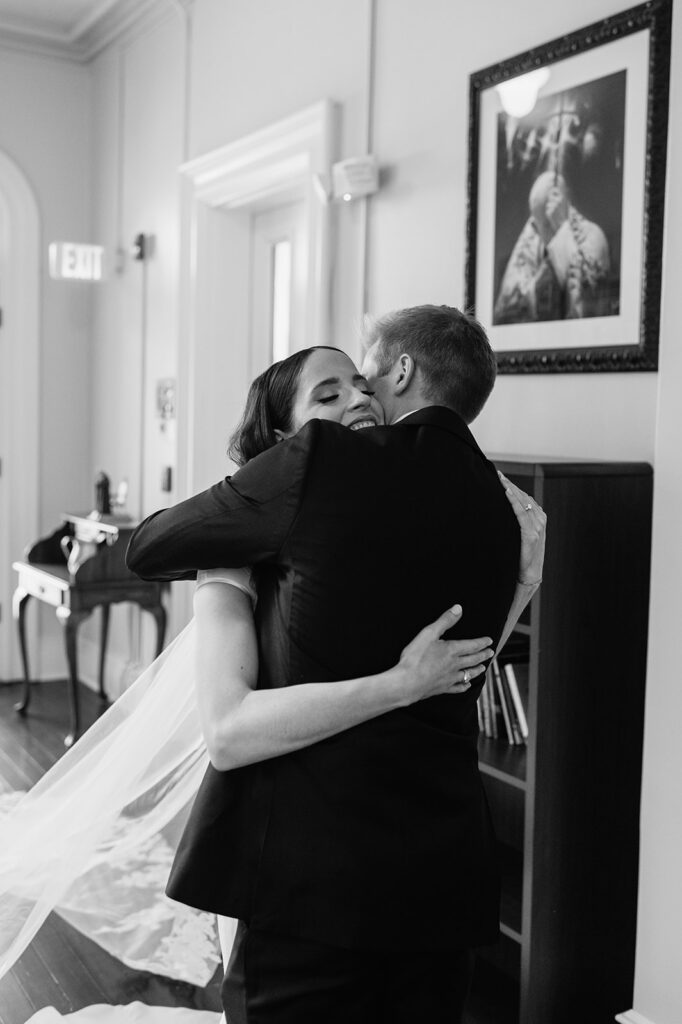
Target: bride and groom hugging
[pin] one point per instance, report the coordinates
(343, 820)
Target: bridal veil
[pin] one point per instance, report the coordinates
(94, 838)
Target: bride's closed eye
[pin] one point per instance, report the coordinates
(334, 398)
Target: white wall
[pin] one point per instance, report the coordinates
(257, 61)
(138, 146)
(45, 130)
(139, 93)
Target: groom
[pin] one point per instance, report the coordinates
(362, 868)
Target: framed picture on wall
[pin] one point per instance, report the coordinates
(567, 153)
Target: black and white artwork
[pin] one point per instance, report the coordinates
(559, 205)
(567, 156)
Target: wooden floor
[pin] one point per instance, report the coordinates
(62, 968)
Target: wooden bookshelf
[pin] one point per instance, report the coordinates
(566, 805)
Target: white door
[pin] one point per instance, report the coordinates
(279, 275)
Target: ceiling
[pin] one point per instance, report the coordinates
(62, 21)
(73, 29)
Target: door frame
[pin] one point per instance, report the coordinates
(20, 270)
(265, 168)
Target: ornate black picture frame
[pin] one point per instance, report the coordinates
(566, 199)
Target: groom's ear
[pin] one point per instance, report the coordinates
(403, 373)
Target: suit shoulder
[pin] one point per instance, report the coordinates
(279, 468)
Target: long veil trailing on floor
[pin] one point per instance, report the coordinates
(131, 1013)
(94, 838)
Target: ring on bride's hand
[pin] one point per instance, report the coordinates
(467, 676)
(529, 506)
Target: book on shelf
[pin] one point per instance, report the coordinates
(486, 706)
(519, 710)
(502, 714)
(496, 710)
(505, 705)
(489, 707)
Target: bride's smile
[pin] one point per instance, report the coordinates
(331, 388)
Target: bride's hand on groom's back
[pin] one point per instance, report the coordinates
(430, 666)
(533, 524)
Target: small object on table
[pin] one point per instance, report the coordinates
(102, 495)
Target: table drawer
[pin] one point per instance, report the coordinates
(42, 587)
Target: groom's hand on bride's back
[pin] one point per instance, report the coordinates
(430, 666)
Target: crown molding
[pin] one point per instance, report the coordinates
(113, 21)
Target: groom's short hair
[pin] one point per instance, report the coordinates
(450, 348)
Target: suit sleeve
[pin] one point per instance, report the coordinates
(243, 520)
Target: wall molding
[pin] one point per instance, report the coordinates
(266, 161)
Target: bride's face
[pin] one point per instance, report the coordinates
(332, 388)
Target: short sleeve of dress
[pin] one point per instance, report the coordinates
(242, 579)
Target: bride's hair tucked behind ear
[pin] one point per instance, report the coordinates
(269, 407)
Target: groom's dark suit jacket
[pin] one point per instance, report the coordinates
(380, 836)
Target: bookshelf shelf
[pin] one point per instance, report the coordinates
(566, 805)
(522, 629)
(497, 758)
(510, 932)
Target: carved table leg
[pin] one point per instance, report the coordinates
(103, 649)
(70, 621)
(19, 602)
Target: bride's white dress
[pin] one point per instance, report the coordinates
(94, 839)
(132, 1013)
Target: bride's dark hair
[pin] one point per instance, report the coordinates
(269, 406)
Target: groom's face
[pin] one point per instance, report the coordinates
(379, 383)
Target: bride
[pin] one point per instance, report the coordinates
(94, 838)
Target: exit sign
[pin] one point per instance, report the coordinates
(71, 260)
